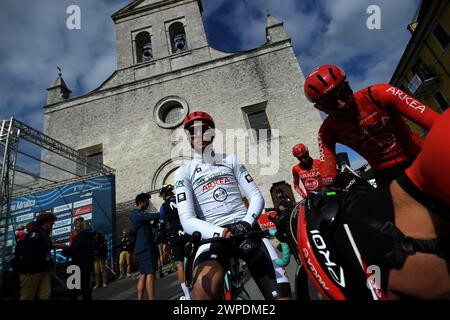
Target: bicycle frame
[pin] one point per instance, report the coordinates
(233, 281)
(323, 278)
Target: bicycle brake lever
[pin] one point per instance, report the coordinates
(196, 238)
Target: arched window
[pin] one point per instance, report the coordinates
(143, 44)
(178, 37)
(169, 177)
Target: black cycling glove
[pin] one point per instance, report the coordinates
(248, 247)
(281, 224)
(239, 228)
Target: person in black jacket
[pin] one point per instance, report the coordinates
(172, 233)
(101, 254)
(35, 261)
(82, 252)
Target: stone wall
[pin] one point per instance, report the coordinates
(120, 114)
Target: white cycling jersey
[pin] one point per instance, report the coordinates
(208, 195)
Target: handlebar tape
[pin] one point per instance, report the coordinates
(286, 255)
(285, 252)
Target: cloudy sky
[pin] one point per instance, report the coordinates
(34, 40)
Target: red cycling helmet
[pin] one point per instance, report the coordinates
(322, 80)
(20, 228)
(199, 116)
(300, 150)
(78, 219)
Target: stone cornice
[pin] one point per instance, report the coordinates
(169, 76)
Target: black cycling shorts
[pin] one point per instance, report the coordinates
(176, 245)
(271, 279)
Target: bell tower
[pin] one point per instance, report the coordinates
(58, 91)
(153, 30)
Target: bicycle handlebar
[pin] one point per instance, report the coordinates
(197, 241)
(286, 247)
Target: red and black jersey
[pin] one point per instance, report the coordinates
(379, 133)
(311, 179)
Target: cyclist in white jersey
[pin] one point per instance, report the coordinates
(209, 201)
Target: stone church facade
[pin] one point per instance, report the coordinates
(166, 69)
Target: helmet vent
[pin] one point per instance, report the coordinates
(332, 74)
(322, 80)
(314, 89)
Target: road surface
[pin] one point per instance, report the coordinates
(167, 287)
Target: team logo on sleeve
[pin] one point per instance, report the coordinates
(197, 170)
(179, 184)
(181, 197)
(248, 178)
(220, 195)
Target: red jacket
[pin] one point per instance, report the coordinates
(380, 134)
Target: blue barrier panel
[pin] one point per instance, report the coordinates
(92, 199)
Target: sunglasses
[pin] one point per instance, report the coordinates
(197, 130)
(329, 103)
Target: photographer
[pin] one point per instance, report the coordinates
(82, 251)
(35, 261)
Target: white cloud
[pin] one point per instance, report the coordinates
(331, 31)
(371, 55)
(35, 39)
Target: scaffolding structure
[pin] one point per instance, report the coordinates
(12, 133)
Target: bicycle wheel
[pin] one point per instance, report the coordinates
(292, 222)
(301, 284)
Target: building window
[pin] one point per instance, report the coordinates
(441, 36)
(178, 39)
(422, 70)
(441, 100)
(256, 118)
(143, 44)
(414, 84)
(259, 121)
(169, 177)
(170, 112)
(94, 155)
(173, 114)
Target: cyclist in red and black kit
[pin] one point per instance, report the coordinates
(307, 170)
(389, 242)
(369, 121)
